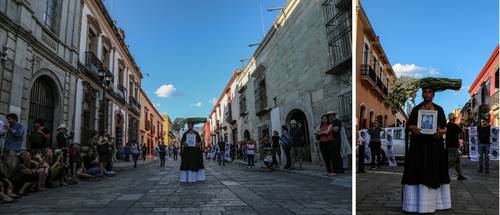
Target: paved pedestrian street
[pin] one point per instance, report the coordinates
(379, 191)
(232, 189)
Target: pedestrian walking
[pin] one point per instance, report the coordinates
(286, 146)
(221, 149)
(103, 150)
(483, 134)
(453, 132)
(326, 144)
(426, 183)
(192, 168)
(176, 152)
(135, 150)
(276, 151)
(144, 151)
(298, 143)
(13, 132)
(375, 145)
(162, 151)
(170, 152)
(250, 150)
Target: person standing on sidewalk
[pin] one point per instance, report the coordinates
(452, 144)
(276, 148)
(483, 134)
(162, 152)
(221, 152)
(250, 146)
(176, 152)
(375, 145)
(14, 133)
(297, 137)
(326, 144)
(286, 145)
(144, 151)
(135, 150)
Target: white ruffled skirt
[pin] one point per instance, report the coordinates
(422, 199)
(192, 176)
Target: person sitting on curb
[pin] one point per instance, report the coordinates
(269, 160)
(6, 187)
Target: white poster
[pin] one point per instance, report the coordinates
(364, 139)
(275, 120)
(227, 153)
(389, 136)
(494, 144)
(427, 121)
(473, 153)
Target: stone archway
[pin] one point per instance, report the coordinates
(44, 101)
(299, 116)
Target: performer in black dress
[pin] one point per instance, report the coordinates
(426, 183)
(192, 169)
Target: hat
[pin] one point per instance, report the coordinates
(293, 121)
(61, 126)
(331, 113)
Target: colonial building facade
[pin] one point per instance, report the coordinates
(374, 77)
(484, 101)
(107, 92)
(168, 133)
(287, 80)
(151, 124)
(38, 61)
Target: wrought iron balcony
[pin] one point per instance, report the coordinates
(92, 66)
(369, 74)
(338, 15)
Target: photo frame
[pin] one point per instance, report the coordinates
(427, 121)
(191, 140)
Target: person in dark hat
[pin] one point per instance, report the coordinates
(426, 182)
(192, 168)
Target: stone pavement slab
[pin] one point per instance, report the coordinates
(379, 191)
(150, 189)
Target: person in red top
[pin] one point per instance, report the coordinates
(326, 144)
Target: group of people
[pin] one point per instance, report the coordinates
(44, 165)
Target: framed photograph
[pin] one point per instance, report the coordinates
(427, 121)
(191, 140)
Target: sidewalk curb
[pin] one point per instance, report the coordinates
(131, 166)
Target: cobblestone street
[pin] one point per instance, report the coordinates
(379, 191)
(232, 189)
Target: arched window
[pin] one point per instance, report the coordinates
(372, 118)
(362, 117)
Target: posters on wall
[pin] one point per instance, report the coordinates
(473, 144)
(389, 137)
(473, 153)
(364, 139)
(494, 144)
(227, 153)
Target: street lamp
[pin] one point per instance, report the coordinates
(274, 8)
(105, 77)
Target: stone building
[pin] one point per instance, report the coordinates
(300, 71)
(38, 61)
(151, 124)
(374, 77)
(108, 89)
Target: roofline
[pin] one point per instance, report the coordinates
(235, 75)
(150, 103)
(487, 65)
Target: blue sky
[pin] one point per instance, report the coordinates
(192, 46)
(451, 39)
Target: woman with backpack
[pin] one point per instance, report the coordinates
(104, 153)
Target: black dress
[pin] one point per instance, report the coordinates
(427, 159)
(425, 177)
(192, 168)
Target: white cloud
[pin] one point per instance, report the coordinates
(165, 91)
(406, 68)
(197, 104)
(414, 70)
(212, 101)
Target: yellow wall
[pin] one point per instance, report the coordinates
(166, 125)
(149, 137)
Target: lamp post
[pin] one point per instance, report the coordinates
(105, 77)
